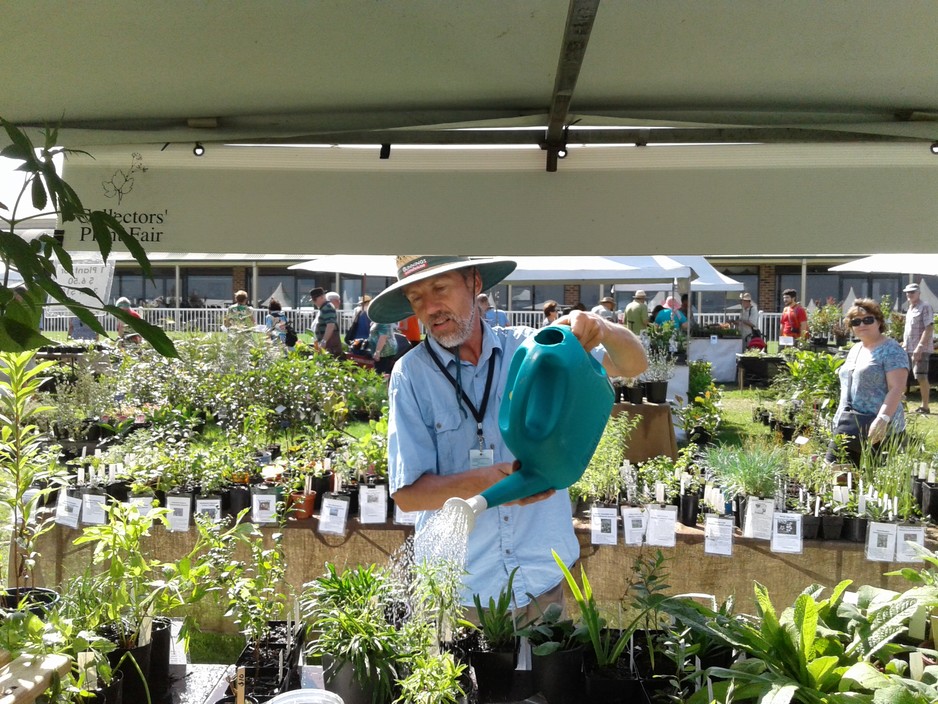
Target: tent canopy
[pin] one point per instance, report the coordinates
(705, 278)
(893, 264)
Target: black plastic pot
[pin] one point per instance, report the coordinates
(239, 498)
(635, 394)
(339, 677)
(604, 687)
(559, 676)
(322, 485)
(917, 490)
(930, 500)
(656, 391)
(690, 505)
(111, 694)
(35, 600)
(495, 674)
(161, 637)
(832, 527)
(810, 526)
(134, 686)
(855, 528)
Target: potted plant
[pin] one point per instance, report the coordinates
(363, 652)
(556, 655)
(602, 479)
(432, 680)
(656, 376)
(495, 658)
(125, 589)
(749, 471)
(26, 468)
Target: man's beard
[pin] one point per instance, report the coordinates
(463, 329)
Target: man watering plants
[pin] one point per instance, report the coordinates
(443, 436)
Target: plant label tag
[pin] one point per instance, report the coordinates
(180, 509)
(604, 525)
(659, 492)
(714, 339)
(86, 664)
(280, 409)
(881, 542)
(405, 518)
(373, 504)
(140, 419)
(786, 341)
(28, 497)
(841, 495)
(67, 509)
(801, 440)
(143, 503)
(634, 523)
(758, 519)
(210, 507)
(661, 526)
(905, 537)
(334, 515)
(264, 507)
(787, 536)
(718, 535)
(92, 509)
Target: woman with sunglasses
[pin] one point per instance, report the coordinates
(872, 380)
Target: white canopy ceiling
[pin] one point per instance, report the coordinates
(801, 76)
(893, 264)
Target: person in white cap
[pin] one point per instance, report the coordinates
(636, 313)
(748, 318)
(443, 433)
(918, 341)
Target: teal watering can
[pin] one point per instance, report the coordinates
(556, 405)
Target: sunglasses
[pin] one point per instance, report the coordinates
(868, 320)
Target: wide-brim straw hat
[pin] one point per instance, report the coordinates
(391, 306)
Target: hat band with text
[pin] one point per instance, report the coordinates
(410, 265)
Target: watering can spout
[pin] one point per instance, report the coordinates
(468, 508)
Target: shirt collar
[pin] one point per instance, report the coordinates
(489, 345)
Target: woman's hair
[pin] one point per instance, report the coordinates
(866, 306)
(274, 305)
(654, 313)
(241, 296)
(550, 307)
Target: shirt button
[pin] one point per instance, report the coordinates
(508, 552)
(505, 519)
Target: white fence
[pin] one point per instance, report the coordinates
(211, 320)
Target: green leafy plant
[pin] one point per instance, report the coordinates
(432, 680)
(751, 470)
(36, 260)
(551, 632)
(351, 611)
(497, 623)
(26, 465)
(608, 646)
(602, 479)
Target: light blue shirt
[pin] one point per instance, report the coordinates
(863, 379)
(496, 318)
(427, 432)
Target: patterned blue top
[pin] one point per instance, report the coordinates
(864, 374)
(427, 432)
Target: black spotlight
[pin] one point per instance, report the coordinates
(562, 153)
(198, 149)
(385, 151)
(934, 147)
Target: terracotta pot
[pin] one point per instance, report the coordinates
(302, 505)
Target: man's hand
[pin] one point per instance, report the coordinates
(588, 328)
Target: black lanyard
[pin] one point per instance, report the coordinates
(479, 413)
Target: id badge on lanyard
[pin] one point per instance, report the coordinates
(481, 458)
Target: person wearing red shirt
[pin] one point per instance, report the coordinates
(794, 317)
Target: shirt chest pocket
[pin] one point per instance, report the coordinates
(452, 440)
